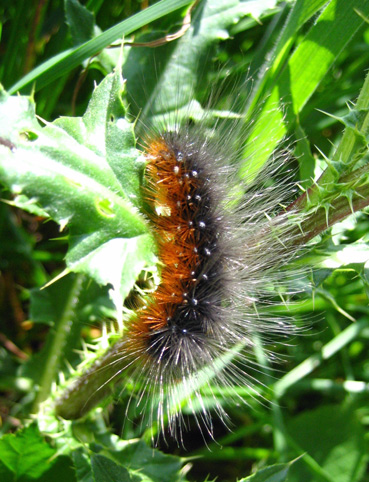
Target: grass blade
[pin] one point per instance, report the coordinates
(66, 61)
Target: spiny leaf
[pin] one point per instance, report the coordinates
(84, 174)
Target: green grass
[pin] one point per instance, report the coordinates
(297, 75)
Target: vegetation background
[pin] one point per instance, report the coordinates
(311, 58)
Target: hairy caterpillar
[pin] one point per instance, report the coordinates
(220, 246)
(215, 262)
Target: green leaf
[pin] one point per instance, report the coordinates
(25, 454)
(299, 79)
(112, 459)
(155, 78)
(48, 305)
(84, 173)
(93, 303)
(153, 465)
(62, 470)
(80, 20)
(274, 473)
(334, 437)
(271, 61)
(67, 305)
(333, 257)
(64, 62)
(105, 470)
(82, 464)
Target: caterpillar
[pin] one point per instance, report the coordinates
(219, 250)
(214, 268)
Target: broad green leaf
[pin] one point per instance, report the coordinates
(299, 79)
(167, 82)
(105, 131)
(24, 454)
(5, 473)
(84, 173)
(333, 436)
(82, 28)
(271, 62)
(344, 255)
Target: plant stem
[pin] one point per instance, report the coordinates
(341, 206)
(55, 354)
(345, 153)
(92, 386)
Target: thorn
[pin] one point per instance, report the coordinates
(57, 278)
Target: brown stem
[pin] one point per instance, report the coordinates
(339, 210)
